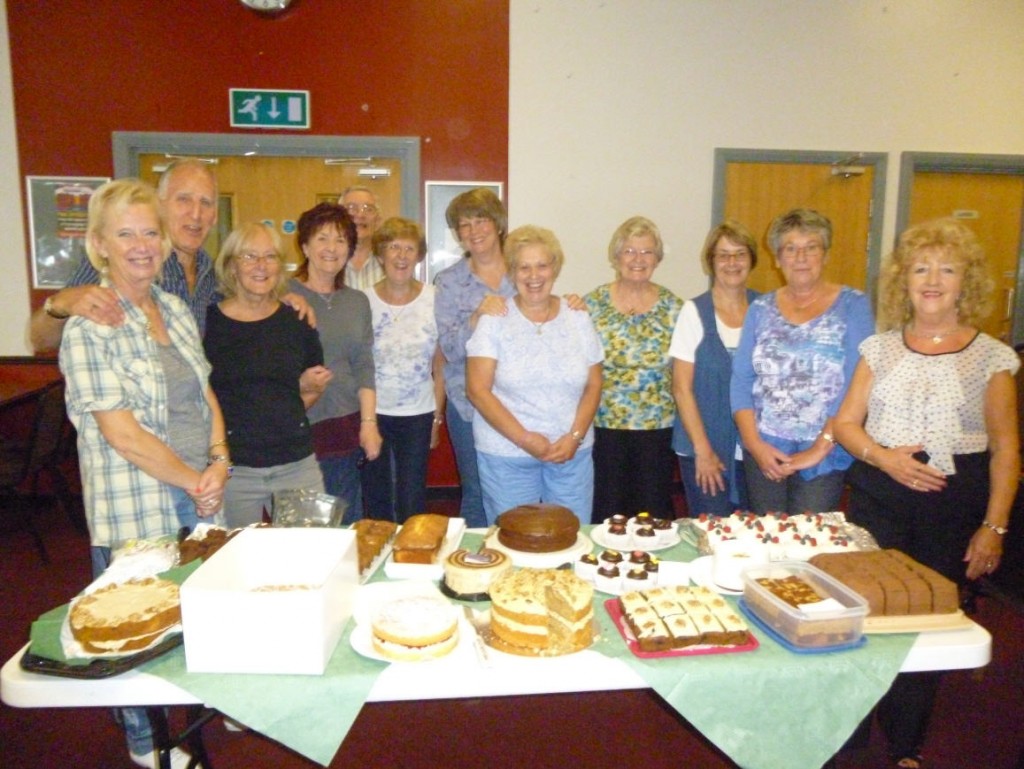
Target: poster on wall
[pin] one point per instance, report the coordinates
(58, 212)
(443, 249)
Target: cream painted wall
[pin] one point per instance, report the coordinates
(617, 106)
(14, 286)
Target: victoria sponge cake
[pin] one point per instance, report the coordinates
(126, 616)
(415, 628)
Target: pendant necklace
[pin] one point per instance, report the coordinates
(935, 338)
(540, 326)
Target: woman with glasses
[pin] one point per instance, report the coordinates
(267, 370)
(796, 357)
(344, 419)
(362, 270)
(706, 336)
(410, 380)
(634, 317)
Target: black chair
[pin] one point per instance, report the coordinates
(23, 464)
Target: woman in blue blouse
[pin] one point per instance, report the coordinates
(796, 357)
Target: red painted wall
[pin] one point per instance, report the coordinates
(85, 68)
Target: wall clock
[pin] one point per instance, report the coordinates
(267, 6)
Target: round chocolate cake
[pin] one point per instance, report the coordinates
(539, 528)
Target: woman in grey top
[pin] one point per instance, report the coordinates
(344, 419)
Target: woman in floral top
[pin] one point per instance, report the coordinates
(634, 317)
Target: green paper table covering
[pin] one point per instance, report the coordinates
(766, 709)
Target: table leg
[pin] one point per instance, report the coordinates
(195, 717)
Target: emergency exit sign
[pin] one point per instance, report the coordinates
(262, 108)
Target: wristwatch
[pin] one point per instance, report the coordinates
(52, 311)
(1000, 530)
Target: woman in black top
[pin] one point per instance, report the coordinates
(267, 370)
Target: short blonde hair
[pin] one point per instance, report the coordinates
(955, 241)
(634, 227)
(531, 235)
(397, 228)
(112, 198)
(234, 245)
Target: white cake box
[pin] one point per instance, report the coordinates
(270, 601)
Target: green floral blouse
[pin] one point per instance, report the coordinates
(637, 389)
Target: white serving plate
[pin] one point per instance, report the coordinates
(543, 560)
(670, 573)
(700, 575)
(435, 570)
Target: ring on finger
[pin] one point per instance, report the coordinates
(915, 483)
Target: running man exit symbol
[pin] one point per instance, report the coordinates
(262, 108)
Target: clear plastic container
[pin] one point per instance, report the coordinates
(836, 619)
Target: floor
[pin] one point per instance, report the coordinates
(977, 723)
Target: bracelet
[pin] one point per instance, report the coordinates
(438, 421)
(1000, 530)
(577, 436)
(864, 453)
(223, 459)
(828, 437)
(223, 442)
(368, 419)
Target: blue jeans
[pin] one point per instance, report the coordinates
(698, 502)
(511, 481)
(341, 480)
(460, 431)
(395, 483)
(138, 731)
(793, 494)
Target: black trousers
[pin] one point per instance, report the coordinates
(633, 472)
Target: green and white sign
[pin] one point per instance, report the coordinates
(263, 108)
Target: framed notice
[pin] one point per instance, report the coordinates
(58, 212)
(443, 249)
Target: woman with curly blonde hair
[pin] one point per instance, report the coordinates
(931, 415)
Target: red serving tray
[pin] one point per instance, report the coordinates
(615, 612)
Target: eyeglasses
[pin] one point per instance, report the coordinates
(394, 247)
(629, 253)
(360, 208)
(250, 257)
(732, 256)
(811, 249)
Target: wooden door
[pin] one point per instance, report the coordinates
(279, 189)
(991, 205)
(757, 192)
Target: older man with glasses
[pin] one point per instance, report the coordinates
(363, 270)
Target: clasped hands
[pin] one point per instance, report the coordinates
(556, 452)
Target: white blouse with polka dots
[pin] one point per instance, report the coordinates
(937, 401)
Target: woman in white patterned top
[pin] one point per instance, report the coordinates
(410, 375)
(931, 416)
(534, 377)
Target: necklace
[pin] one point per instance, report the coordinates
(936, 338)
(538, 325)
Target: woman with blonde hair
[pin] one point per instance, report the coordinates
(534, 377)
(931, 415)
(267, 370)
(634, 316)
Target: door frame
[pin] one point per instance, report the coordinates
(127, 146)
(877, 160)
(964, 163)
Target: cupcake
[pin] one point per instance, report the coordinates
(608, 579)
(586, 567)
(636, 579)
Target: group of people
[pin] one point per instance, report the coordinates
(184, 372)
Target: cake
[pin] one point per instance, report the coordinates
(539, 528)
(420, 538)
(891, 582)
(642, 531)
(666, 618)
(784, 536)
(125, 617)
(469, 573)
(541, 612)
(203, 544)
(371, 537)
(414, 628)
